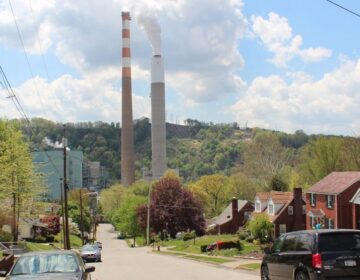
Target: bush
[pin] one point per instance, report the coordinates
(189, 235)
(50, 238)
(249, 239)
(228, 245)
(203, 248)
(256, 242)
(261, 228)
(5, 236)
(40, 239)
(243, 234)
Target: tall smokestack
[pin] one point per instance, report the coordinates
(158, 128)
(127, 138)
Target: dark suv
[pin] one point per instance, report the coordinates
(313, 254)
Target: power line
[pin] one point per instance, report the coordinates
(7, 86)
(26, 56)
(342, 7)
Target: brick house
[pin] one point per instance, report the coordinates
(235, 215)
(286, 210)
(334, 201)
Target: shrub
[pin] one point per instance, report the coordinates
(249, 239)
(261, 228)
(256, 242)
(203, 248)
(40, 239)
(228, 245)
(243, 234)
(189, 235)
(5, 236)
(50, 238)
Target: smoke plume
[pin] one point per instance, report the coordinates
(153, 31)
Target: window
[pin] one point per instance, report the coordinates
(304, 243)
(271, 208)
(277, 245)
(247, 215)
(282, 229)
(304, 209)
(289, 243)
(312, 222)
(291, 210)
(330, 223)
(313, 199)
(330, 201)
(257, 206)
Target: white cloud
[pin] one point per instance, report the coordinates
(86, 35)
(276, 34)
(329, 105)
(89, 99)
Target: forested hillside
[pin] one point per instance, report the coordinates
(265, 158)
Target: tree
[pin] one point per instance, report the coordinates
(18, 180)
(173, 208)
(213, 192)
(111, 199)
(277, 184)
(265, 157)
(125, 218)
(242, 187)
(319, 158)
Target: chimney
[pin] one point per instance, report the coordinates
(127, 138)
(299, 220)
(235, 223)
(158, 126)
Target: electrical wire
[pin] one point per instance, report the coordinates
(25, 53)
(342, 7)
(11, 95)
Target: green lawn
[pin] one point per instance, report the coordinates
(190, 247)
(252, 266)
(32, 246)
(194, 257)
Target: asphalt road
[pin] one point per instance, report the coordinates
(121, 262)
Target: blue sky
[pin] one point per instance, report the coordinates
(276, 64)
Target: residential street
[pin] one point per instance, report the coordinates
(121, 262)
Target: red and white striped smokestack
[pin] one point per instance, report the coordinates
(127, 137)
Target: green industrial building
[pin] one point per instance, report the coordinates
(51, 165)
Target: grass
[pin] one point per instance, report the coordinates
(190, 247)
(32, 246)
(207, 259)
(193, 257)
(251, 266)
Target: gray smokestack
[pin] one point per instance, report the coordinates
(127, 138)
(158, 128)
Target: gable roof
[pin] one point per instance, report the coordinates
(276, 197)
(226, 215)
(335, 182)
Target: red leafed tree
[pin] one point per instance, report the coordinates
(172, 208)
(53, 224)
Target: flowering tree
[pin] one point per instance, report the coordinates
(172, 208)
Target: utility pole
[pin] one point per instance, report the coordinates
(14, 218)
(81, 219)
(67, 238)
(148, 217)
(63, 211)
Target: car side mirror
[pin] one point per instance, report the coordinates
(89, 269)
(3, 273)
(267, 250)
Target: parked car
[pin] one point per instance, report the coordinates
(59, 265)
(313, 254)
(98, 243)
(90, 252)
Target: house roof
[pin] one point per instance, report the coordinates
(335, 182)
(277, 197)
(226, 215)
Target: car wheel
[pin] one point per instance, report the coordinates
(301, 275)
(264, 273)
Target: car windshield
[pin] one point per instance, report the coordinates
(37, 264)
(336, 242)
(90, 248)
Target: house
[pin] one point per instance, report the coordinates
(333, 202)
(232, 218)
(286, 210)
